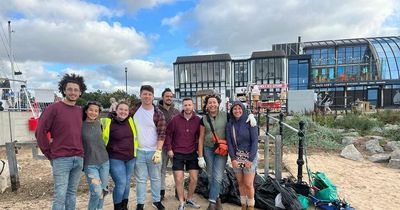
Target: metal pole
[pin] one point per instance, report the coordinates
(11, 56)
(258, 119)
(280, 123)
(267, 122)
(9, 123)
(281, 129)
(12, 163)
(126, 80)
(278, 158)
(266, 156)
(300, 160)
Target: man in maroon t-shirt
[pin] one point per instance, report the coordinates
(181, 143)
(65, 149)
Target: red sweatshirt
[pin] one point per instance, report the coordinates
(64, 122)
(182, 135)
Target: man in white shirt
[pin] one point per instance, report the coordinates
(150, 124)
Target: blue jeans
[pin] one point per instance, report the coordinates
(215, 171)
(121, 173)
(145, 168)
(66, 175)
(97, 178)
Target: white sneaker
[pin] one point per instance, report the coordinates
(192, 204)
(181, 206)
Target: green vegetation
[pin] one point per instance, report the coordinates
(393, 134)
(361, 123)
(323, 132)
(388, 117)
(104, 97)
(316, 136)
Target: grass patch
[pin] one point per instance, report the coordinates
(388, 117)
(393, 134)
(361, 123)
(316, 136)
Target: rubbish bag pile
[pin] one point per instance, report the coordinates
(274, 195)
(266, 190)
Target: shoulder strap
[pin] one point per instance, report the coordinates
(211, 125)
(234, 135)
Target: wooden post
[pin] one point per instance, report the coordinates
(278, 158)
(12, 163)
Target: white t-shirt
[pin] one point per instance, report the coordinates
(146, 129)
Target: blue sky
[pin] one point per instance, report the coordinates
(98, 39)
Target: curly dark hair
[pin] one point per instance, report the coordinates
(71, 78)
(206, 101)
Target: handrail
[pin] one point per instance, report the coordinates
(279, 146)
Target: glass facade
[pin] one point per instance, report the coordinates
(298, 73)
(388, 60)
(351, 69)
(342, 64)
(241, 69)
(191, 77)
(268, 70)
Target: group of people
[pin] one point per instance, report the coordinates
(139, 142)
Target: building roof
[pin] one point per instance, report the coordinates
(203, 58)
(268, 54)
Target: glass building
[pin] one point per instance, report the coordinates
(350, 69)
(230, 77)
(194, 73)
(366, 69)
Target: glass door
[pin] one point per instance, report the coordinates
(373, 96)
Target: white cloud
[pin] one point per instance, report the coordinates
(70, 32)
(135, 5)
(174, 21)
(57, 10)
(245, 26)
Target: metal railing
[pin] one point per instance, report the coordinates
(278, 139)
(22, 100)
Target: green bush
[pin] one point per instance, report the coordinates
(316, 136)
(388, 116)
(325, 120)
(361, 123)
(393, 134)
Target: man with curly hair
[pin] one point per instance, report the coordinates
(64, 149)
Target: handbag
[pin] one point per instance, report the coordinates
(220, 145)
(241, 155)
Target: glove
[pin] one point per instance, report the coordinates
(202, 162)
(252, 120)
(157, 157)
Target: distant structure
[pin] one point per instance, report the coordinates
(365, 68)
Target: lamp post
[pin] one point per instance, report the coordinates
(126, 80)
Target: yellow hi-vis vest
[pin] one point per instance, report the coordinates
(105, 124)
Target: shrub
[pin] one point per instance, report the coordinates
(316, 136)
(393, 134)
(388, 116)
(325, 120)
(361, 123)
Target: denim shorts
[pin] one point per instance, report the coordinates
(247, 170)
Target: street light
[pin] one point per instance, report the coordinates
(126, 80)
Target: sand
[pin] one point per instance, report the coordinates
(364, 185)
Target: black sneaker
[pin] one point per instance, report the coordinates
(158, 205)
(162, 195)
(140, 207)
